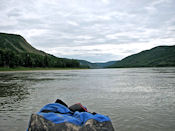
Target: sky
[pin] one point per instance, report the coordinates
(93, 30)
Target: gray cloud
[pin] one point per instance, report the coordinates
(96, 25)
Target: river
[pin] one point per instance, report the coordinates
(136, 99)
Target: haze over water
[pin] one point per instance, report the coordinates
(136, 99)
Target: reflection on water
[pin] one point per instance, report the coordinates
(135, 99)
(11, 90)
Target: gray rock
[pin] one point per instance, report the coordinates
(38, 123)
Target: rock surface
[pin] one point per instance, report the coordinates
(38, 123)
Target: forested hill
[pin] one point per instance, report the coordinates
(17, 43)
(15, 51)
(160, 56)
(99, 65)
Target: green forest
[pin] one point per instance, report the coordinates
(10, 58)
(160, 56)
(15, 51)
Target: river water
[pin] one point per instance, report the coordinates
(136, 99)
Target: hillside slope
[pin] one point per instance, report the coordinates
(105, 64)
(99, 65)
(87, 64)
(160, 56)
(17, 43)
(16, 51)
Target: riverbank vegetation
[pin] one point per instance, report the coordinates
(35, 69)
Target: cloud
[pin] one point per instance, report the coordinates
(90, 29)
(72, 23)
(106, 1)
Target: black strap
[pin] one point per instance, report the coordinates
(61, 102)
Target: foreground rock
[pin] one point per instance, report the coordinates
(59, 117)
(38, 123)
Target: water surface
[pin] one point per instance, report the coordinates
(136, 99)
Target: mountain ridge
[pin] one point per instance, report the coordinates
(95, 65)
(15, 51)
(17, 43)
(159, 56)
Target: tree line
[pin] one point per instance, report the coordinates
(9, 58)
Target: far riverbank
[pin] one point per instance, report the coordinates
(4, 69)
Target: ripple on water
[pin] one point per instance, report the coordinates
(138, 99)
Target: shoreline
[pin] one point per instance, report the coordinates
(17, 69)
(28, 69)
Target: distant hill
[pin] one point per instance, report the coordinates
(105, 64)
(17, 43)
(160, 56)
(88, 64)
(16, 51)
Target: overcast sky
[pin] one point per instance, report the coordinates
(93, 30)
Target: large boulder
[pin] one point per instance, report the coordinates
(39, 123)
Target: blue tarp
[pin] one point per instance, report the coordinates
(65, 115)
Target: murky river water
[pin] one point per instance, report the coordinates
(136, 99)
